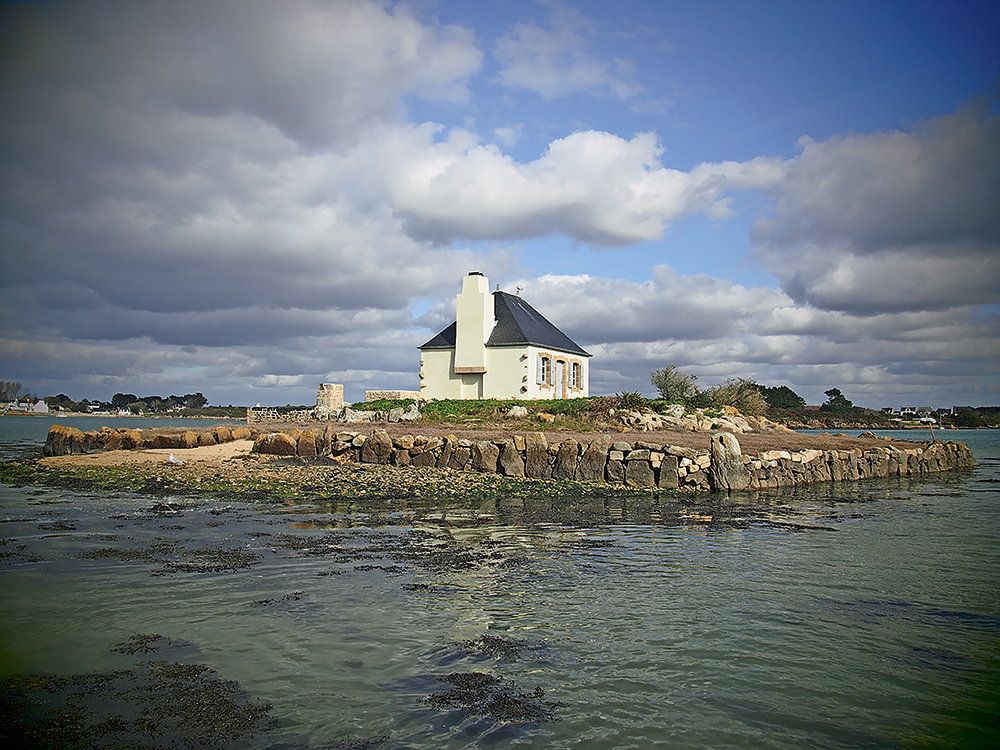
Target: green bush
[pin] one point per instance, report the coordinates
(740, 393)
(674, 386)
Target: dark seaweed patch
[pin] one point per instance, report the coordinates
(148, 643)
(153, 705)
(293, 597)
(58, 526)
(492, 698)
(497, 647)
(18, 553)
(212, 560)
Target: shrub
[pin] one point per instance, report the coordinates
(674, 386)
(631, 401)
(741, 393)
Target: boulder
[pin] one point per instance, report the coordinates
(516, 412)
(639, 473)
(131, 439)
(669, 479)
(485, 456)
(306, 444)
(411, 413)
(377, 448)
(566, 460)
(60, 440)
(423, 459)
(591, 467)
(275, 444)
(536, 456)
(460, 458)
(727, 471)
(511, 464)
(396, 414)
(223, 434)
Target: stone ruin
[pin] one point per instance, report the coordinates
(330, 396)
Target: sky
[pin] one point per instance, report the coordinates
(248, 198)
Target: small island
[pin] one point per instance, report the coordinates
(478, 448)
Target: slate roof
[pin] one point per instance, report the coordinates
(518, 324)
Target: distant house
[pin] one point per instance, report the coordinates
(501, 347)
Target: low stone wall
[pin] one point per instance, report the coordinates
(265, 414)
(63, 439)
(393, 395)
(637, 464)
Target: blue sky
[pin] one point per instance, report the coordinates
(249, 198)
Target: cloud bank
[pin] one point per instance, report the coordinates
(234, 197)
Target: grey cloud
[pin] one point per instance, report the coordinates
(890, 221)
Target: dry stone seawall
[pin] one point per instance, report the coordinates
(638, 464)
(605, 459)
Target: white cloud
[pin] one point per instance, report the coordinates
(284, 381)
(558, 62)
(593, 186)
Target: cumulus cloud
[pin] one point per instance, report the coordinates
(595, 187)
(890, 221)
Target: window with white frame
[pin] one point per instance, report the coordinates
(543, 372)
(574, 375)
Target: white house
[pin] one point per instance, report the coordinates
(501, 347)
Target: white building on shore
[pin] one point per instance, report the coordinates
(501, 347)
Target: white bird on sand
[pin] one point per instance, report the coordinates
(174, 460)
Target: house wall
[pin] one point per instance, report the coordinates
(511, 373)
(554, 386)
(437, 374)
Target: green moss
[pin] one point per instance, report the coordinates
(322, 483)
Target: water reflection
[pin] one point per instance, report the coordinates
(830, 615)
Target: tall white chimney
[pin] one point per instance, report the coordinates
(475, 323)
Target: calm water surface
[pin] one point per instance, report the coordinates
(840, 616)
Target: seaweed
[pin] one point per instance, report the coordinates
(493, 698)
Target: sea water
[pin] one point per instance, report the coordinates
(857, 614)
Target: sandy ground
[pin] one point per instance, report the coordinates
(206, 456)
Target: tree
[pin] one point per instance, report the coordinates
(836, 401)
(195, 400)
(782, 397)
(121, 400)
(969, 418)
(12, 391)
(674, 385)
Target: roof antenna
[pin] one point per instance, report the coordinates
(519, 290)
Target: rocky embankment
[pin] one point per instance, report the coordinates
(600, 459)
